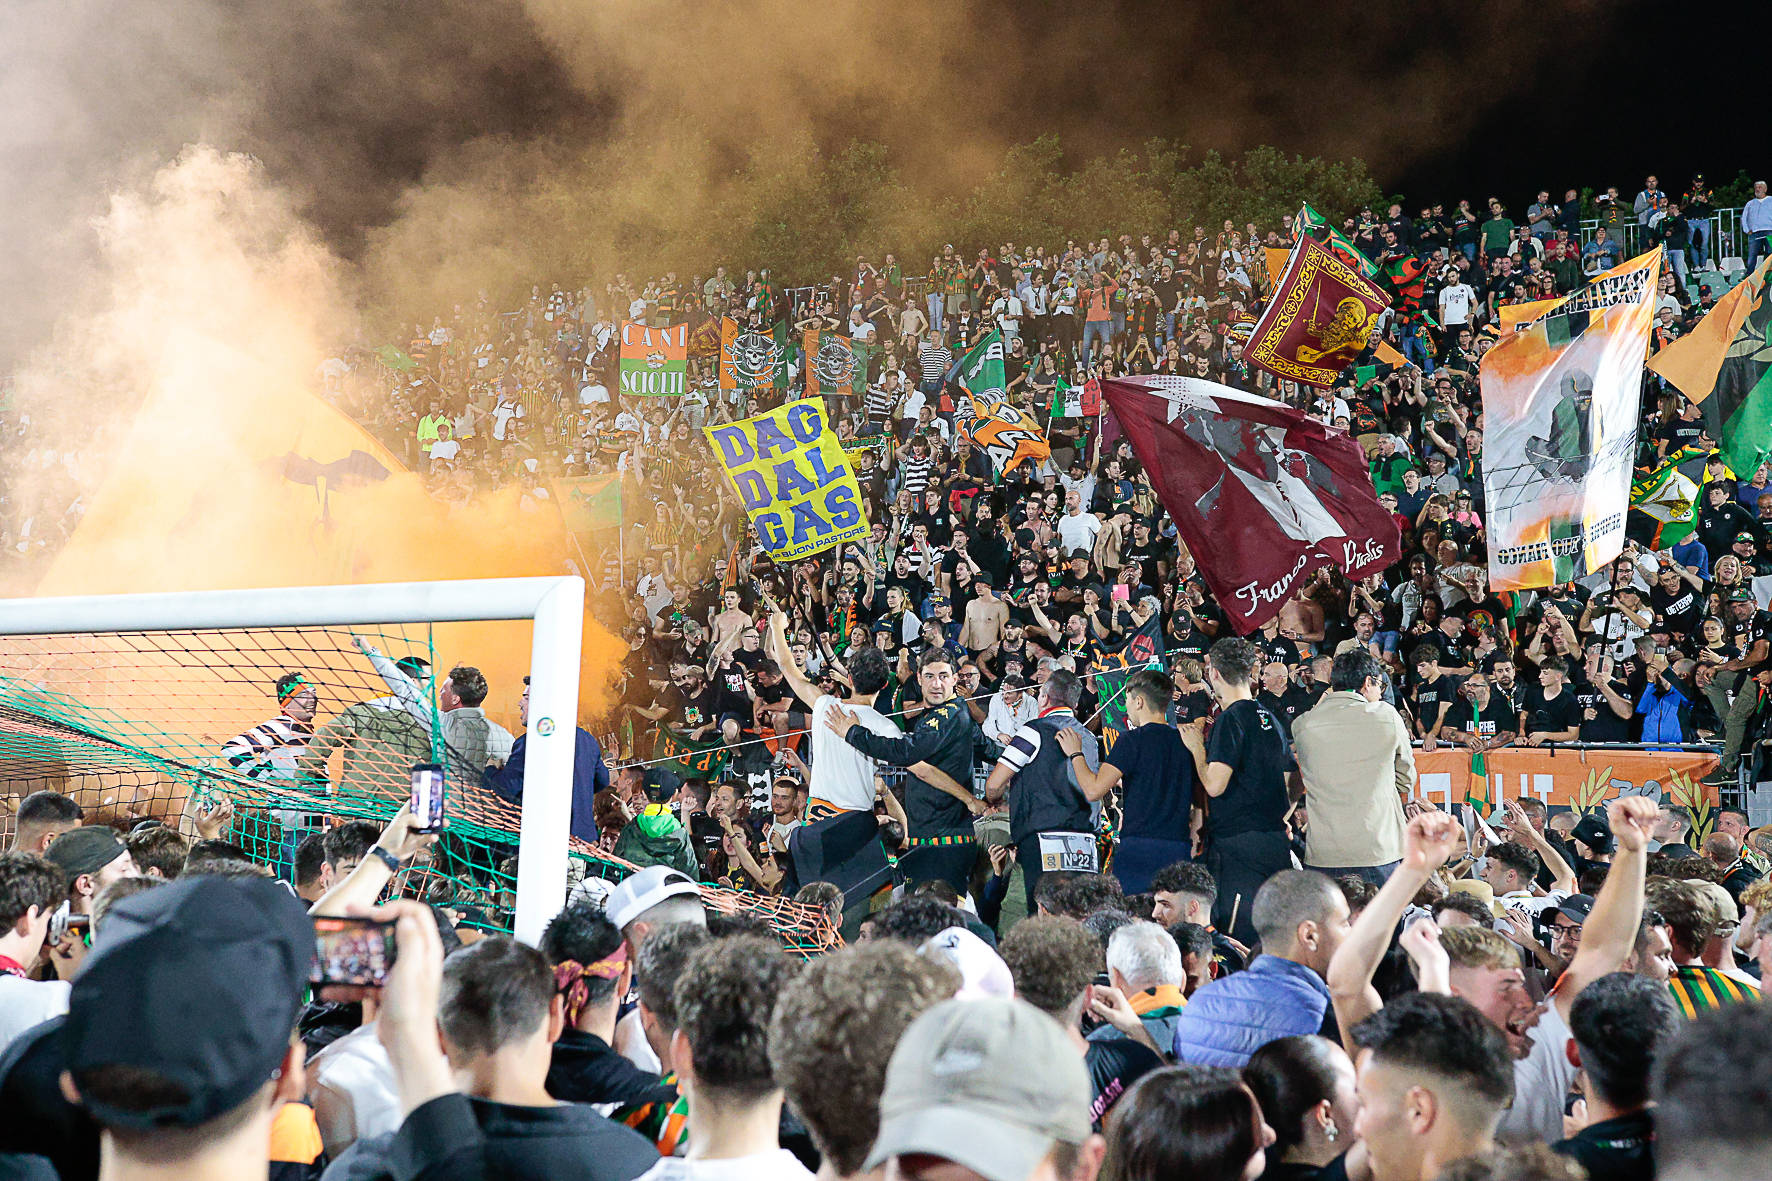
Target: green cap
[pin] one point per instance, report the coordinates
(986, 1083)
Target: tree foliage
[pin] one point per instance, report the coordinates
(806, 213)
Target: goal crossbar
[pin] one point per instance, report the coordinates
(554, 604)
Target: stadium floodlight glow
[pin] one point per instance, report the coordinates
(555, 605)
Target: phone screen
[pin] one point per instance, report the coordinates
(352, 951)
(1122, 591)
(427, 797)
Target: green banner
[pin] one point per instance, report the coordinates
(689, 758)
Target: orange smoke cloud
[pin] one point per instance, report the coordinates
(234, 472)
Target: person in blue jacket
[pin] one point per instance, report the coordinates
(1301, 917)
(590, 775)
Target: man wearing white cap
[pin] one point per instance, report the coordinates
(656, 896)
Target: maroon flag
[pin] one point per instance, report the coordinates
(1322, 315)
(1261, 494)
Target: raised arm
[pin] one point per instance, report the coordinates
(804, 689)
(1520, 829)
(1427, 843)
(1610, 933)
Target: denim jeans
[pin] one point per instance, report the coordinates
(1676, 258)
(1378, 875)
(1102, 330)
(1701, 229)
(1759, 245)
(933, 302)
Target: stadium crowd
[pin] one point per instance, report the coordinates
(1290, 968)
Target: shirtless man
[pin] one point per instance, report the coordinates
(731, 620)
(982, 629)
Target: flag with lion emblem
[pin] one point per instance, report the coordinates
(1007, 434)
(1320, 318)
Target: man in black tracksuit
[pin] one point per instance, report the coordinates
(942, 845)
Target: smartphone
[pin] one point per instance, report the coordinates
(1122, 592)
(427, 797)
(352, 951)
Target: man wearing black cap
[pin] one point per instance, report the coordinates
(91, 858)
(180, 1037)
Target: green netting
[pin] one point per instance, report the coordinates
(160, 724)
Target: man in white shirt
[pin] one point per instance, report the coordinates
(30, 890)
(1456, 301)
(1077, 529)
(1011, 708)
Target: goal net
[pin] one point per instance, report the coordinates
(302, 726)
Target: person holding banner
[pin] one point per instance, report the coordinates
(941, 840)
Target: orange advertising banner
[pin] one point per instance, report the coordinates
(1567, 776)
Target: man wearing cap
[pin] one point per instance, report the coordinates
(986, 1090)
(640, 904)
(179, 1039)
(92, 858)
(986, 614)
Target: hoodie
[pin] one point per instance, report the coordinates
(657, 837)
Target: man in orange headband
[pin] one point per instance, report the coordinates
(592, 971)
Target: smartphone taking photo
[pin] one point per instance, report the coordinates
(426, 804)
(352, 951)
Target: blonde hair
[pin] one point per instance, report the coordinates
(1478, 947)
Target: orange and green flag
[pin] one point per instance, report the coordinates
(654, 361)
(590, 503)
(1725, 366)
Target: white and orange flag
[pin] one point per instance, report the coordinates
(1560, 400)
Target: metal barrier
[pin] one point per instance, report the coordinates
(1726, 240)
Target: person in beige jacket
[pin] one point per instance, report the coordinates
(1354, 758)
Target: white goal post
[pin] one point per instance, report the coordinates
(555, 605)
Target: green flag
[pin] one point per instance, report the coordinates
(981, 369)
(1476, 790)
(590, 503)
(1671, 495)
(396, 359)
(689, 758)
(1318, 227)
(835, 364)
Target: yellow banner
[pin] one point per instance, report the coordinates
(789, 469)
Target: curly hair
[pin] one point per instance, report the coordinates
(158, 848)
(833, 1033)
(916, 918)
(1052, 960)
(27, 880)
(723, 999)
(1234, 659)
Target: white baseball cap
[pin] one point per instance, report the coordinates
(640, 892)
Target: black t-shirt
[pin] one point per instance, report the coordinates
(1428, 696)
(1495, 718)
(1279, 648)
(1156, 782)
(1745, 635)
(703, 707)
(1605, 725)
(1286, 706)
(1621, 1149)
(1114, 1065)
(1677, 612)
(1248, 740)
(1190, 707)
(735, 692)
(1561, 712)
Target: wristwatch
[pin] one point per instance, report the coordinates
(386, 858)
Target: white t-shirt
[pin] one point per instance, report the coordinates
(842, 776)
(25, 1004)
(779, 1165)
(1541, 1080)
(445, 449)
(1076, 531)
(593, 393)
(1455, 303)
